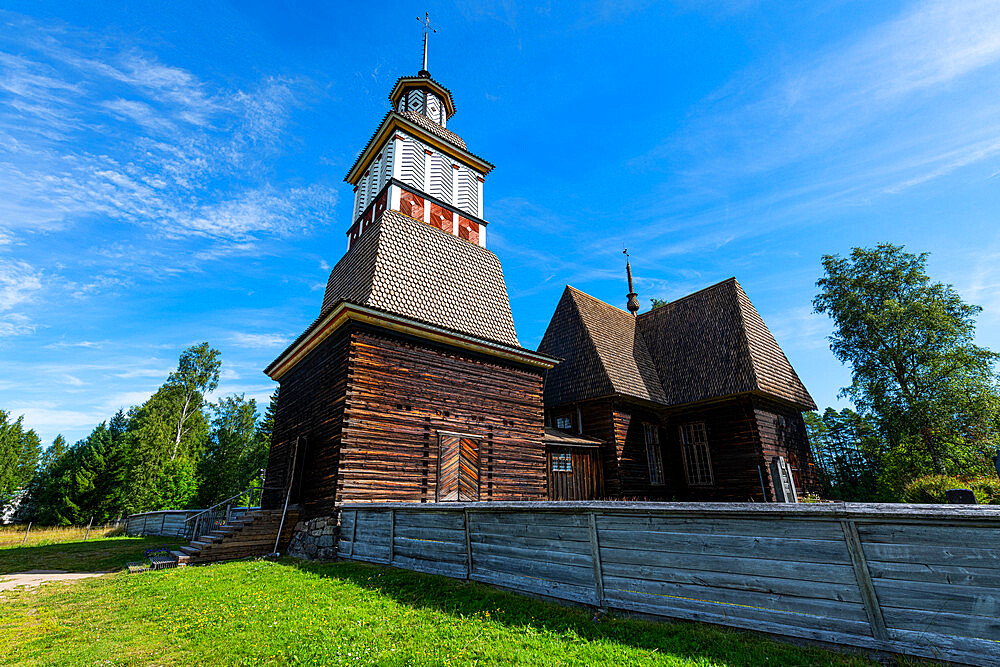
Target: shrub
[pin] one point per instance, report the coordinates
(931, 489)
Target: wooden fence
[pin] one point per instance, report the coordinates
(169, 523)
(922, 580)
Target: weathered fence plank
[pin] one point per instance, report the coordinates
(919, 580)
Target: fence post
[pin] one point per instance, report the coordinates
(88, 528)
(26, 534)
(354, 531)
(392, 535)
(868, 596)
(595, 555)
(163, 521)
(145, 518)
(468, 548)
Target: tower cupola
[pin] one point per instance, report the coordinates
(423, 95)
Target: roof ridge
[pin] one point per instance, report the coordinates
(731, 279)
(590, 338)
(591, 296)
(745, 331)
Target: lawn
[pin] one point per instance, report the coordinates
(65, 549)
(297, 613)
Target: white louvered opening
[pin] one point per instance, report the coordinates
(373, 181)
(441, 179)
(416, 101)
(412, 163)
(362, 195)
(386, 172)
(434, 109)
(467, 194)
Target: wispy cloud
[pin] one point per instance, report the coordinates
(260, 340)
(176, 155)
(836, 128)
(19, 283)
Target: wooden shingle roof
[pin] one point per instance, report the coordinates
(409, 268)
(706, 345)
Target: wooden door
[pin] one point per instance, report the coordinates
(458, 469)
(574, 473)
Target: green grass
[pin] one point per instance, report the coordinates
(294, 613)
(65, 549)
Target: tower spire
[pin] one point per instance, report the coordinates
(633, 301)
(426, 21)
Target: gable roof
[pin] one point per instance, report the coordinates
(404, 266)
(602, 352)
(708, 344)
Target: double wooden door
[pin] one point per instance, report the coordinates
(458, 469)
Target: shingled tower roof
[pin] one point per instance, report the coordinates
(709, 344)
(409, 268)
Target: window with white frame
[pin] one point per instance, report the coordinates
(654, 456)
(562, 462)
(697, 462)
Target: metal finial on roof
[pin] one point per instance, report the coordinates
(427, 26)
(633, 301)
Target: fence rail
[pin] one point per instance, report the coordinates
(921, 580)
(170, 523)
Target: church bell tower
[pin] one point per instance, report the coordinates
(415, 165)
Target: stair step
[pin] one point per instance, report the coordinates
(200, 544)
(181, 557)
(191, 551)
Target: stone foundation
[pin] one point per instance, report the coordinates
(316, 539)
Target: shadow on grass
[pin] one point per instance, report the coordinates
(697, 642)
(110, 554)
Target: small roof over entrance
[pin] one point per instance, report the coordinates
(555, 436)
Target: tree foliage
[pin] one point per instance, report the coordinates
(174, 451)
(917, 374)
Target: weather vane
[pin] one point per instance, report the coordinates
(427, 26)
(633, 301)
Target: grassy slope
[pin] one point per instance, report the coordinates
(65, 549)
(300, 613)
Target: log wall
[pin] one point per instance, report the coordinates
(311, 410)
(402, 393)
(920, 580)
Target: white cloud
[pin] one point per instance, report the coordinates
(260, 340)
(19, 283)
(142, 142)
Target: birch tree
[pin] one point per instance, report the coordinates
(197, 374)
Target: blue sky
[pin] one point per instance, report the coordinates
(173, 172)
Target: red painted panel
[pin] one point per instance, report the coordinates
(411, 205)
(468, 229)
(441, 218)
(381, 203)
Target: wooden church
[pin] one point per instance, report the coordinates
(411, 384)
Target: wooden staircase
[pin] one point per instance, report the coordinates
(251, 535)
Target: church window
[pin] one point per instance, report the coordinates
(654, 455)
(562, 462)
(697, 461)
(563, 423)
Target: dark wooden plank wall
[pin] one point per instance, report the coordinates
(734, 446)
(920, 580)
(310, 405)
(584, 482)
(401, 393)
(789, 441)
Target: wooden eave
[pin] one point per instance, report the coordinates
(393, 122)
(345, 312)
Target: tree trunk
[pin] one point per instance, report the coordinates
(937, 461)
(180, 425)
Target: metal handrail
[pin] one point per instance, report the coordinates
(214, 517)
